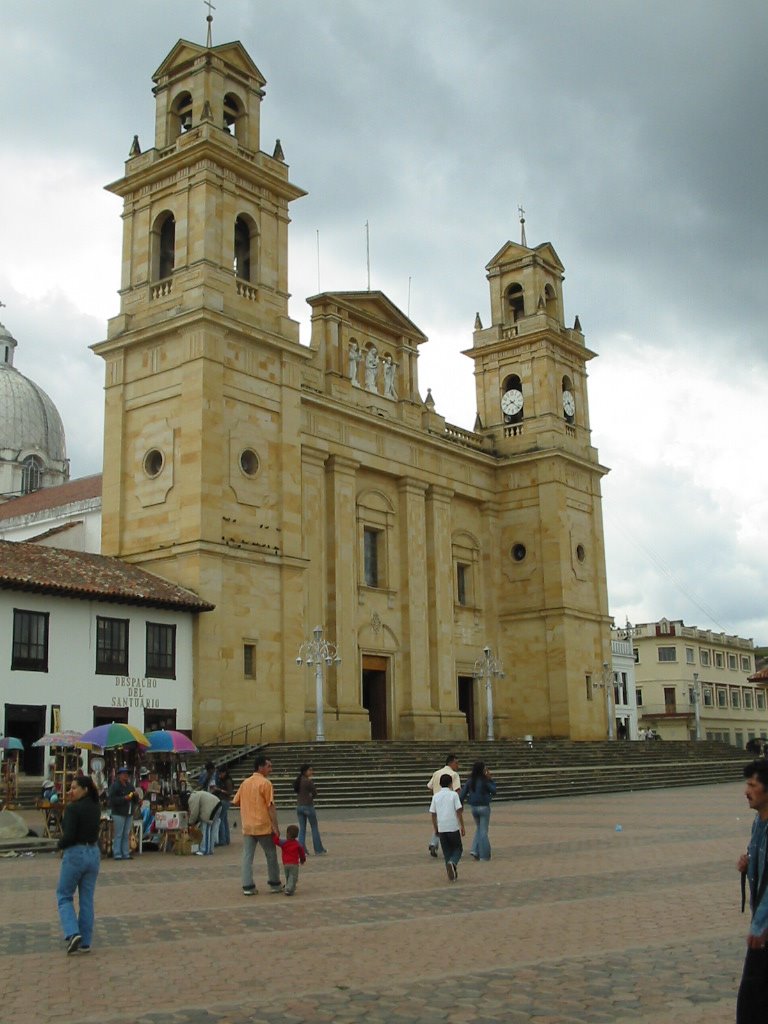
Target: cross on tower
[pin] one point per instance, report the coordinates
(209, 19)
(521, 211)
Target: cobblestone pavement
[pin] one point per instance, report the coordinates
(571, 922)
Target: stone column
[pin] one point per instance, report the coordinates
(351, 721)
(442, 659)
(493, 633)
(414, 698)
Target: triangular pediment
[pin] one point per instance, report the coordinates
(374, 306)
(184, 53)
(546, 251)
(512, 252)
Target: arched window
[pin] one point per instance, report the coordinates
(515, 302)
(163, 246)
(182, 113)
(233, 111)
(31, 474)
(243, 235)
(550, 300)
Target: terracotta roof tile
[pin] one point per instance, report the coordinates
(759, 677)
(34, 567)
(53, 497)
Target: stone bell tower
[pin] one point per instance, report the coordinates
(531, 386)
(203, 369)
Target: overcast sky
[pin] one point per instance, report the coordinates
(634, 134)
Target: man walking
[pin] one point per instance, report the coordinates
(753, 991)
(448, 823)
(452, 768)
(256, 801)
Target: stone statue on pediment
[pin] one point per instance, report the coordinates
(371, 369)
(390, 366)
(354, 355)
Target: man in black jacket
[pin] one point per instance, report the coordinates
(753, 992)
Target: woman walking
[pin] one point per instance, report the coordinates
(306, 791)
(80, 863)
(478, 791)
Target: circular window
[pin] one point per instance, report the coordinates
(249, 462)
(580, 553)
(519, 552)
(153, 462)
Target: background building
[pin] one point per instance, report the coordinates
(672, 658)
(33, 450)
(624, 683)
(294, 485)
(63, 516)
(88, 640)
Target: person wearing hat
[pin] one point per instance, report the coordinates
(119, 799)
(207, 776)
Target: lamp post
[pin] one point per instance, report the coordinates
(488, 667)
(697, 704)
(318, 652)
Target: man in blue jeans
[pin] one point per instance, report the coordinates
(204, 809)
(119, 799)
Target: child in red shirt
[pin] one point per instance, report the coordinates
(293, 855)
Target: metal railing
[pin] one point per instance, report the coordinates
(246, 736)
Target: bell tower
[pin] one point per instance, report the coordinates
(530, 369)
(531, 387)
(203, 369)
(205, 211)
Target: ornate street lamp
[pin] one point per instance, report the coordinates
(318, 653)
(697, 704)
(488, 668)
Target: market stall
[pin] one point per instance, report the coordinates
(10, 746)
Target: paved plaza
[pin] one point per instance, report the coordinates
(571, 922)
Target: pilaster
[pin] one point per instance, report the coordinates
(415, 695)
(442, 659)
(341, 540)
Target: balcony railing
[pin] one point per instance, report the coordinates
(161, 288)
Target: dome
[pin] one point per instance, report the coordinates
(28, 418)
(30, 428)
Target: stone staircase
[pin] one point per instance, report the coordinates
(395, 774)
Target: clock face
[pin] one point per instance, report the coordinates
(569, 405)
(511, 402)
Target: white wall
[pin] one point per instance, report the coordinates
(71, 680)
(85, 536)
(623, 661)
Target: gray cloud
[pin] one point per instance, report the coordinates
(631, 133)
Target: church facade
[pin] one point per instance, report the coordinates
(292, 486)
